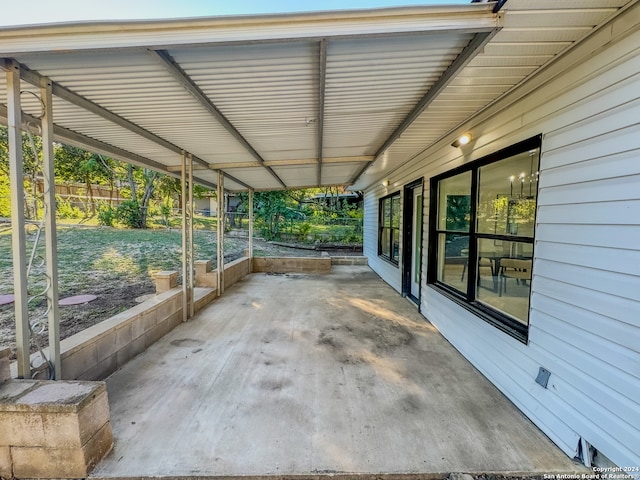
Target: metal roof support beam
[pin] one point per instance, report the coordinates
(220, 235)
(64, 93)
(166, 60)
(250, 253)
(64, 135)
(322, 82)
(478, 42)
(51, 241)
(186, 226)
(18, 245)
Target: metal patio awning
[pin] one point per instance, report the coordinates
(286, 101)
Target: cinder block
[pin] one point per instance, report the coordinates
(106, 346)
(208, 280)
(174, 320)
(152, 336)
(93, 416)
(21, 428)
(166, 309)
(136, 347)
(101, 370)
(42, 462)
(53, 429)
(5, 372)
(165, 280)
(6, 468)
(124, 334)
(98, 446)
(80, 361)
(202, 266)
(145, 323)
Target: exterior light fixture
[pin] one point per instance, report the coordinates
(462, 140)
(385, 183)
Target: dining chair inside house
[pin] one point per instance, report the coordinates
(482, 263)
(520, 270)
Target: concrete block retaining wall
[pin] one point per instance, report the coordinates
(100, 350)
(236, 271)
(349, 260)
(292, 264)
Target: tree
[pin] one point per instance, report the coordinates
(31, 158)
(77, 165)
(147, 181)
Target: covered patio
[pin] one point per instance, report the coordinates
(343, 377)
(298, 374)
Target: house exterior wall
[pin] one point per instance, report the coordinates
(585, 300)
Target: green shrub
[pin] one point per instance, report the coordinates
(165, 211)
(65, 209)
(5, 202)
(129, 214)
(303, 231)
(106, 216)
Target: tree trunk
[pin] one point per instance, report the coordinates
(149, 187)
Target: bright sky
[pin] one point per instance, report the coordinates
(52, 11)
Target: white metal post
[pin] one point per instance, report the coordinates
(183, 206)
(251, 226)
(50, 227)
(190, 243)
(220, 243)
(16, 180)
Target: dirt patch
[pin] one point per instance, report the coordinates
(75, 318)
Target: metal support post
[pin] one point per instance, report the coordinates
(190, 243)
(16, 181)
(183, 207)
(220, 243)
(50, 228)
(251, 225)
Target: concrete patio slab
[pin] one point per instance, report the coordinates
(306, 374)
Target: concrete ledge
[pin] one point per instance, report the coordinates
(53, 429)
(349, 260)
(291, 265)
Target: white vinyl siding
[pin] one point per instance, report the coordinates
(384, 268)
(585, 303)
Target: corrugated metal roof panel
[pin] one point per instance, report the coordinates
(268, 92)
(372, 84)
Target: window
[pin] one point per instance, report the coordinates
(482, 223)
(389, 228)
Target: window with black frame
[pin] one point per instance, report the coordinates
(482, 221)
(389, 228)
